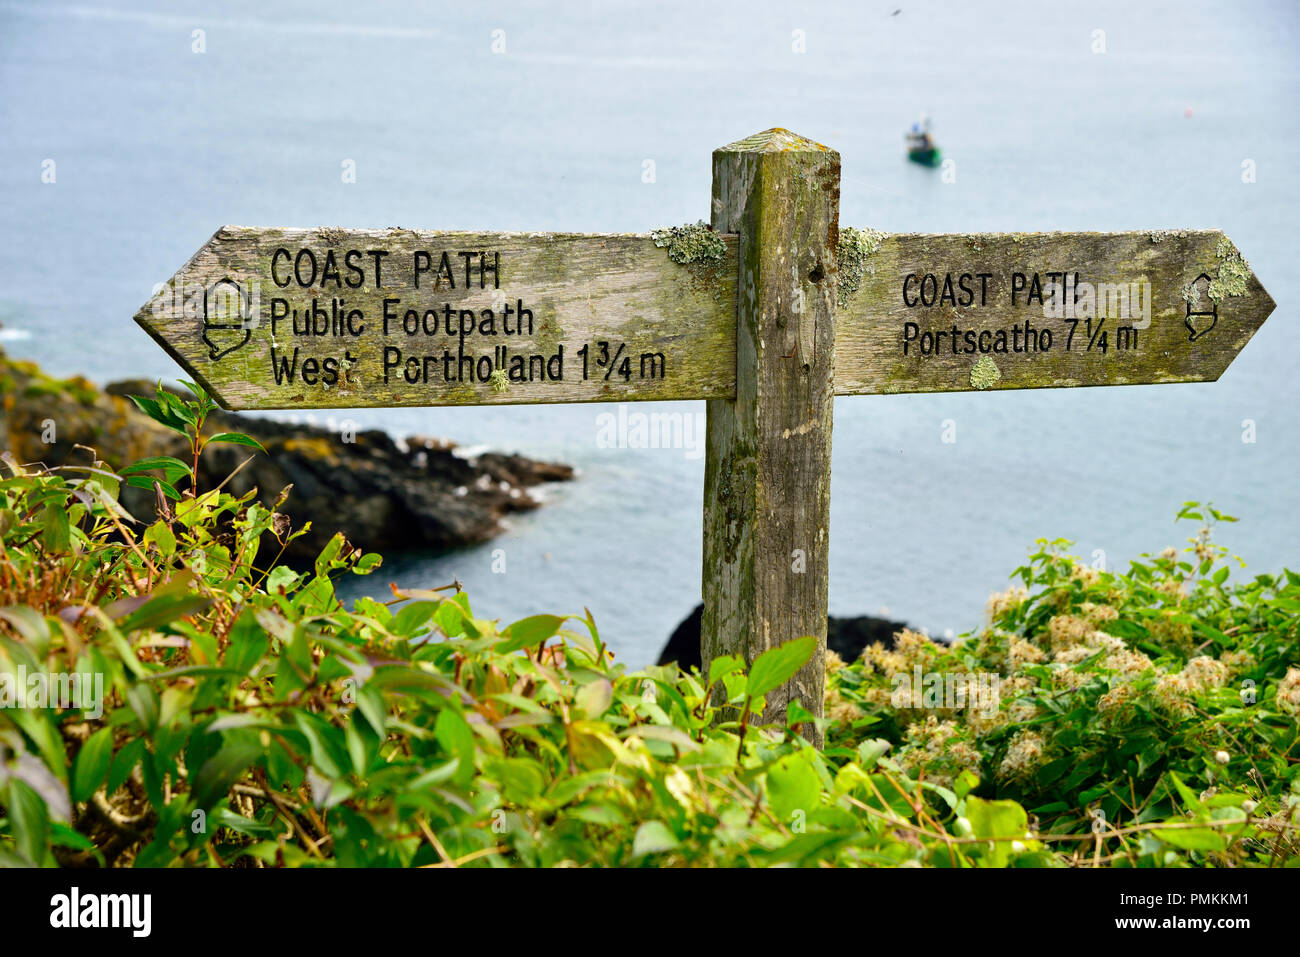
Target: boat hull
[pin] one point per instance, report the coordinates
(926, 157)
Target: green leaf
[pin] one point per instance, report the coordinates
(201, 394)
(147, 482)
(370, 702)
(413, 617)
(92, 764)
(778, 665)
(222, 817)
(248, 643)
(161, 414)
(27, 621)
(164, 607)
(35, 774)
(528, 632)
(997, 819)
(1193, 838)
(56, 533)
(793, 785)
(724, 665)
(172, 468)
(450, 618)
(965, 782)
(594, 698)
(1189, 796)
(521, 780)
(236, 438)
(810, 847)
(329, 555)
(797, 714)
(161, 537)
(662, 732)
(222, 770)
(605, 815)
(29, 821)
(1129, 630)
(453, 733)
(63, 836)
(123, 763)
(870, 751)
(176, 405)
(328, 744)
(144, 702)
(653, 837)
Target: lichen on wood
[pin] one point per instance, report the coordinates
(984, 373)
(701, 250)
(691, 243)
(855, 248)
(1234, 272)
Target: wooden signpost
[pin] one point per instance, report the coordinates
(768, 314)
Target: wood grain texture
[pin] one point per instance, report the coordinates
(767, 460)
(871, 327)
(581, 289)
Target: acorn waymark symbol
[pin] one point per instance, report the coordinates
(226, 314)
(1200, 321)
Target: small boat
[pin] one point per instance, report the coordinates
(920, 145)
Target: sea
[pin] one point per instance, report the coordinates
(130, 131)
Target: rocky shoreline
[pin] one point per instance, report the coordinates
(383, 494)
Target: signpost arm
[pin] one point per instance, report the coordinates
(768, 456)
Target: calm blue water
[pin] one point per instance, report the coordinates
(156, 146)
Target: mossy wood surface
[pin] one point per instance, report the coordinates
(768, 454)
(654, 327)
(1204, 305)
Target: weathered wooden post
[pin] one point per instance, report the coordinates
(767, 473)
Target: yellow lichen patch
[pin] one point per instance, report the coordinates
(692, 243)
(984, 373)
(855, 247)
(1234, 272)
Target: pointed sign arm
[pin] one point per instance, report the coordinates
(939, 313)
(271, 318)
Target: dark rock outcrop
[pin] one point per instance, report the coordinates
(381, 493)
(847, 637)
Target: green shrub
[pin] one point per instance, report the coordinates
(1152, 712)
(249, 719)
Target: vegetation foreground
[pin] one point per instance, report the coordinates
(247, 718)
